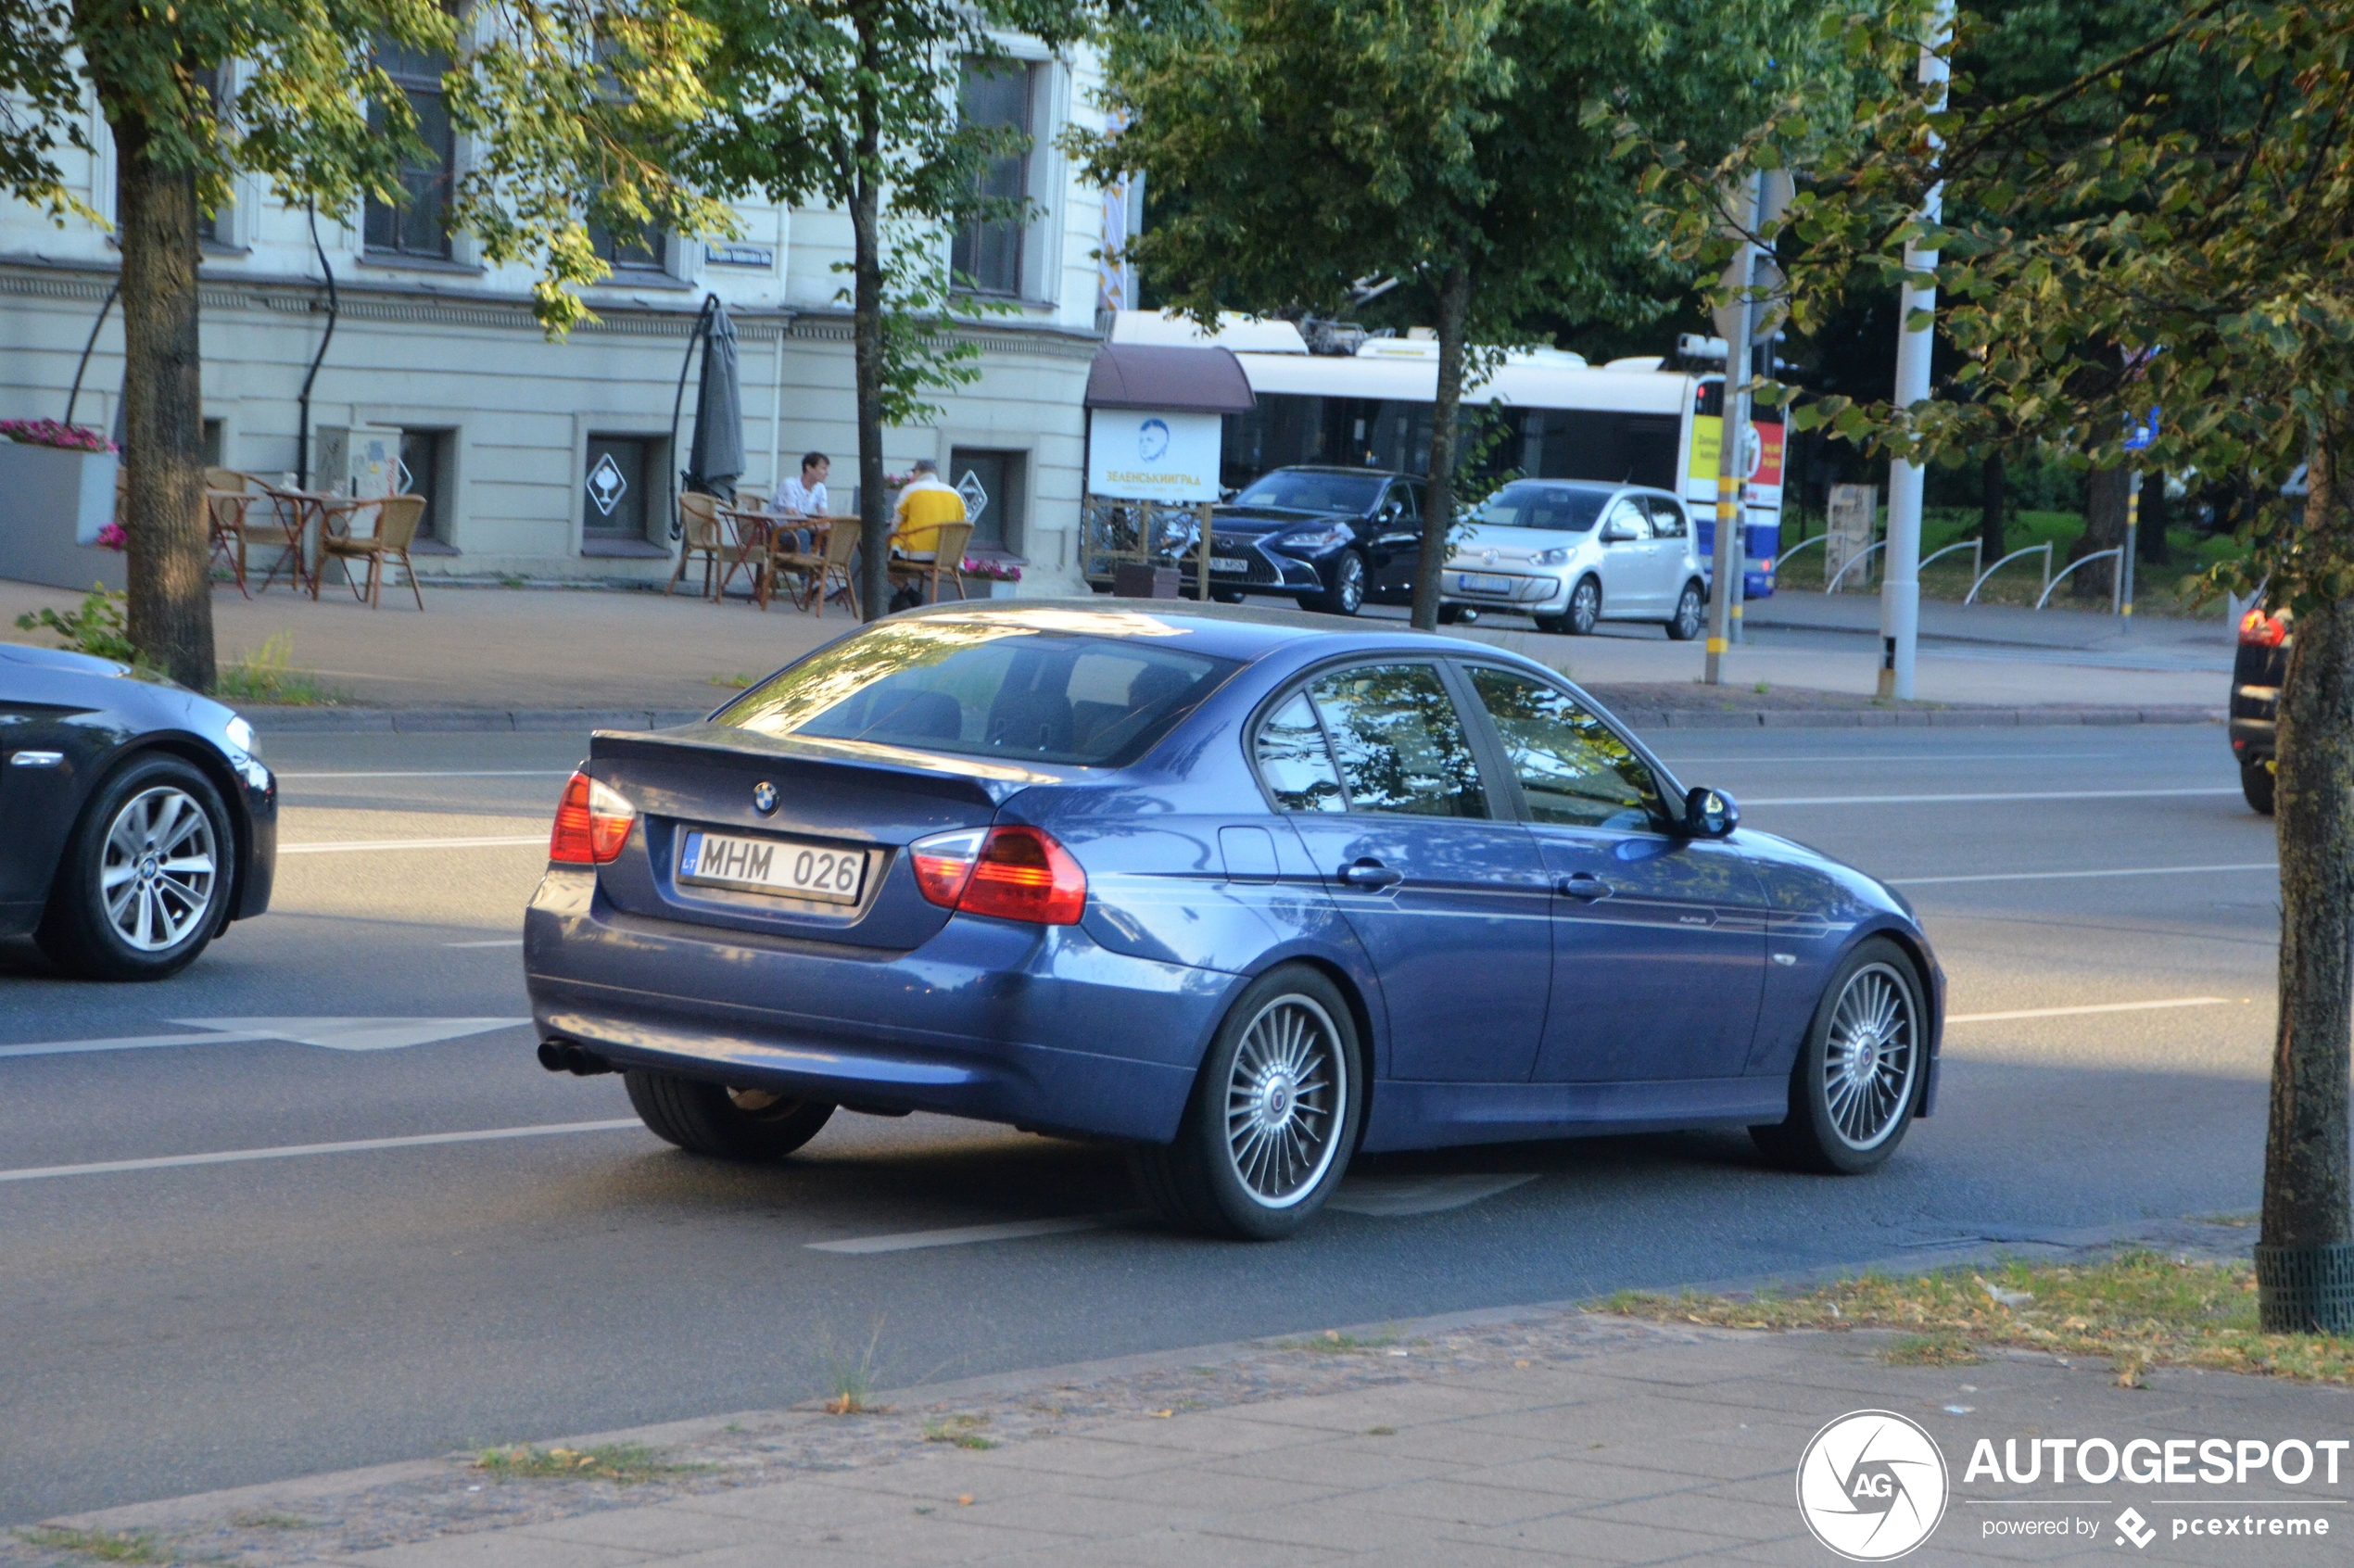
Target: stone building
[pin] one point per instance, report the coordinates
(501, 430)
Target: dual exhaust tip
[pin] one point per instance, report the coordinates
(570, 1055)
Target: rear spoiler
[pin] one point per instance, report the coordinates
(943, 774)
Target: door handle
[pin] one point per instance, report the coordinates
(1371, 875)
(1582, 885)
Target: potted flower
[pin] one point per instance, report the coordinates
(989, 577)
(59, 481)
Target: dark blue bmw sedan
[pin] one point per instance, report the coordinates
(1245, 892)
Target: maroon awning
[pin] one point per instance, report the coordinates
(1171, 380)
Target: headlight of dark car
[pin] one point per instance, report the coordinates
(1315, 541)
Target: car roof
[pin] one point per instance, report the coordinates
(1247, 632)
(1333, 468)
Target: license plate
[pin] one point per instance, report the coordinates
(1228, 563)
(1471, 583)
(772, 866)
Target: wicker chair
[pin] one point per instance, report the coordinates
(397, 520)
(828, 571)
(700, 533)
(948, 557)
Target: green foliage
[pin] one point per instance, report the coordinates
(103, 1545)
(573, 110)
(97, 629)
(2171, 226)
(267, 675)
(627, 1463)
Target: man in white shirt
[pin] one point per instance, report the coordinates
(805, 497)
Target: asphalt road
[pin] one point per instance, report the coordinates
(177, 1327)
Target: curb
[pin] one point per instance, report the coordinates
(569, 721)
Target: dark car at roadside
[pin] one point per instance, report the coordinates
(2257, 671)
(1332, 539)
(140, 818)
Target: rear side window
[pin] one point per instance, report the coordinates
(1397, 746)
(989, 687)
(1667, 518)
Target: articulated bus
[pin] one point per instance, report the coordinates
(1547, 413)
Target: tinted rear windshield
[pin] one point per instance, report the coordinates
(997, 686)
(1524, 503)
(1311, 491)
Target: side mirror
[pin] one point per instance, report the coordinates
(1616, 532)
(1709, 814)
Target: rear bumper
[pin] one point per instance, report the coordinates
(1038, 1027)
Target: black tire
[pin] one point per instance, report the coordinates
(1198, 1181)
(746, 1124)
(1227, 596)
(151, 823)
(1685, 625)
(1585, 608)
(1456, 614)
(2255, 783)
(1859, 1132)
(1346, 595)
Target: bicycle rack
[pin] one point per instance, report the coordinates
(2097, 555)
(1818, 540)
(1976, 549)
(2045, 549)
(1854, 562)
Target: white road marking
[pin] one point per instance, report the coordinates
(2072, 876)
(372, 845)
(964, 1235)
(333, 1034)
(2016, 795)
(299, 1151)
(452, 773)
(1891, 758)
(1392, 1197)
(2097, 1007)
(503, 942)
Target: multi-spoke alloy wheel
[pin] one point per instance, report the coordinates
(150, 878)
(1868, 1059)
(1272, 1119)
(1857, 1081)
(1284, 1098)
(162, 865)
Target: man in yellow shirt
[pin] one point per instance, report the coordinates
(925, 506)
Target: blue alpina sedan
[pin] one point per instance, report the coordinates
(1245, 892)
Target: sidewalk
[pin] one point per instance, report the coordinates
(1520, 1438)
(565, 657)
(2064, 624)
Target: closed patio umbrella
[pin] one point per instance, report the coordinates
(716, 455)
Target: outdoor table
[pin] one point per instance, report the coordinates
(298, 513)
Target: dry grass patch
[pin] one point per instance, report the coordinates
(2139, 1308)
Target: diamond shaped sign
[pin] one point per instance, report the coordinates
(606, 487)
(976, 498)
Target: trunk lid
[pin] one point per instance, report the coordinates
(837, 798)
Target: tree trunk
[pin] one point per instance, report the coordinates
(2306, 1178)
(2105, 493)
(171, 598)
(1439, 499)
(867, 328)
(1993, 497)
(2152, 550)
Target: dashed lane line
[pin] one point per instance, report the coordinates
(367, 845)
(2008, 795)
(2095, 1007)
(2074, 876)
(302, 1151)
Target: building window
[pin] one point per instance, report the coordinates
(419, 226)
(641, 248)
(619, 485)
(990, 483)
(218, 227)
(987, 255)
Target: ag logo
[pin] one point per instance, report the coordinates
(1871, 1485)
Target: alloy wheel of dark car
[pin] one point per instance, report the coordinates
(1348, 593)
(747, 1124)
(1685, 625)
(1857, 1079)
(1274, 1115)
(141, 890)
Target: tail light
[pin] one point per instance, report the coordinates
(1012, 873)
(2262, 630)
(593, 823)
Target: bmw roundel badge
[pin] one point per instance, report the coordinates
(764, 797)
